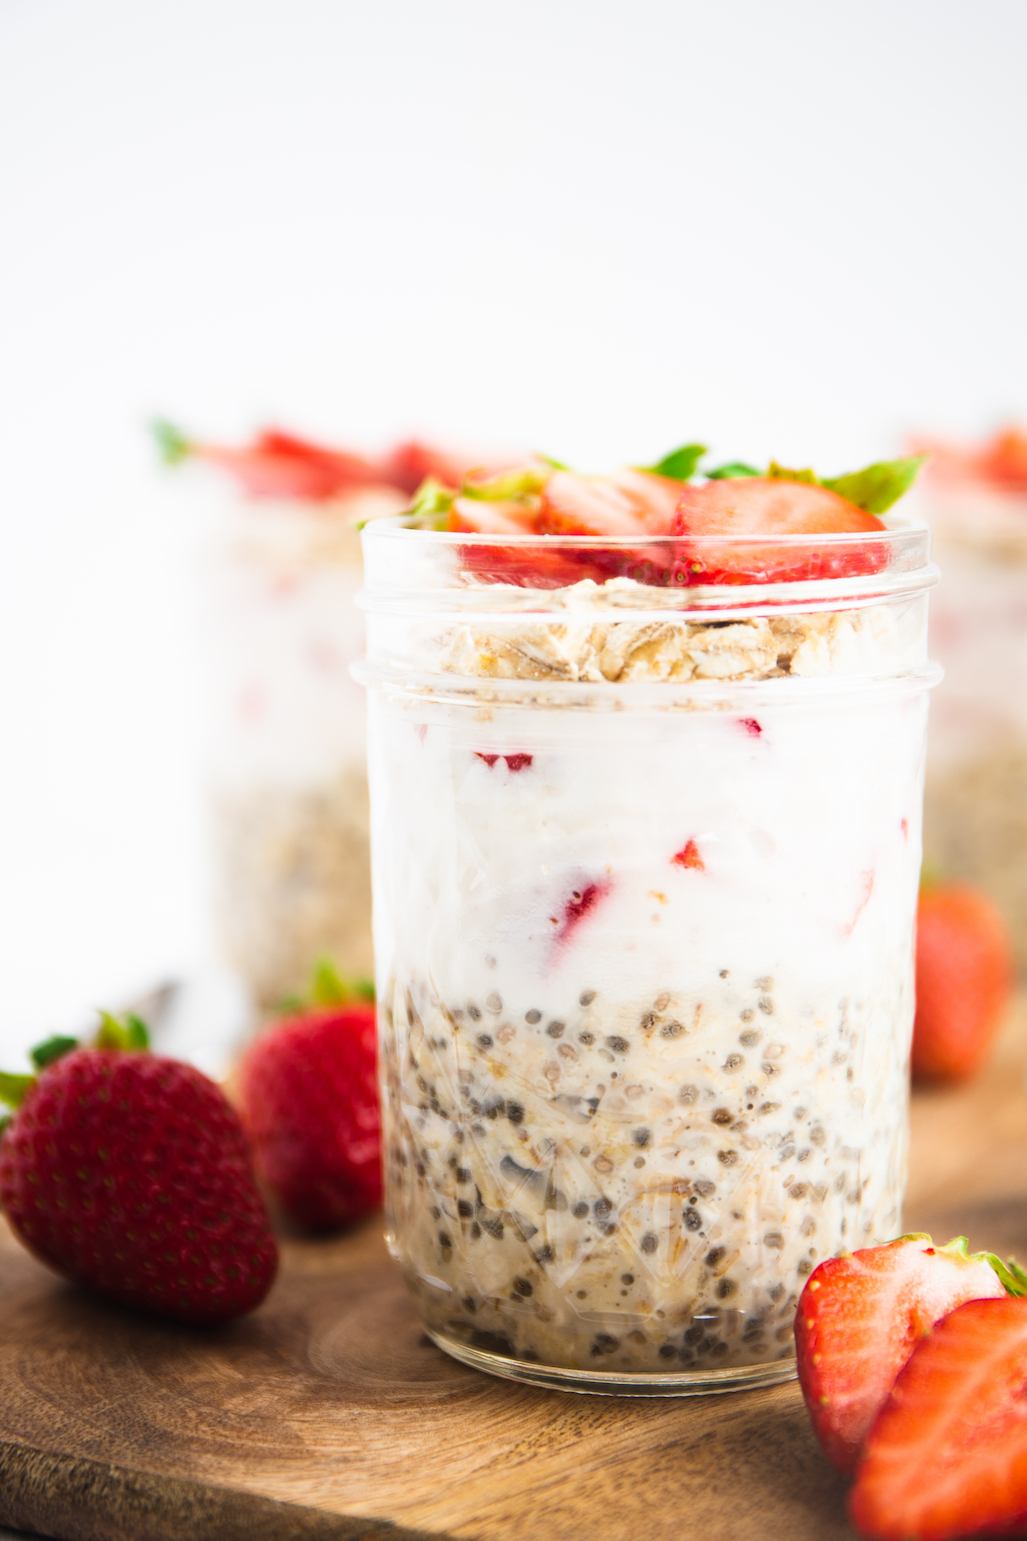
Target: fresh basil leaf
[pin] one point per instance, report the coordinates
(508, 487)
(431, 506)
(729, 470)
(547, 460)
(785, 474)
(679, 465)
(876, 488)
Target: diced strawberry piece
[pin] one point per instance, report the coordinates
(581, 902)
(964, 980)
(947, 1456)
(859, 1319)
(515, 762)
(688, 856)
(749, 507)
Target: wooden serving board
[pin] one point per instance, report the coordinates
(328, 1413)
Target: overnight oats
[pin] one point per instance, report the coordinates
(646, 763)
(290, 878)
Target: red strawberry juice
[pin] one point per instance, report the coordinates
(645, 868)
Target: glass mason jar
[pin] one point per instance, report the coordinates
(975, 815)
(289, 810)
(645, 863)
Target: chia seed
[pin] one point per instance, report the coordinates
(533, 1016)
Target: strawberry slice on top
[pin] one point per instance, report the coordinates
(948, 1455)
(749, 508)
(860, 1317)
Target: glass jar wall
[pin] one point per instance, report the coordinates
(645, 877)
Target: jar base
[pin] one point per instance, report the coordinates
(677, 1383)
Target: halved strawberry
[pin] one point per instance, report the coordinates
(947, 1456)
(748, 508)
(859, 1319)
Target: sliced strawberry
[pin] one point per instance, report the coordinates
(749, 507)
(510, 517)
(947, 1456)
(587, 505)
(655, 497)
(859, 1319)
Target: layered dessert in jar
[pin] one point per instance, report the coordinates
(646, 760)
(290, 862)
(975, 498)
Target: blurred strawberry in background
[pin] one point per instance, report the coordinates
(309, 1102)
(276, 464)
(964, 980)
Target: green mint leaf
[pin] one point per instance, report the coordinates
(364, 988)
(547, 460)
(784, 474)
(876, 488)
(138, 1032)
(14, 1087)
(431, 506)
(731, 469)
(680, 465)
(508, 487)
(171, 442)
(54, 1048)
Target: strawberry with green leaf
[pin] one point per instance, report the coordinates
(129, 1172)
(309, 1095)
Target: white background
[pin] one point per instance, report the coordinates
(596, 228)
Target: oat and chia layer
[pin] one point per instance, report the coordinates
(646, 982)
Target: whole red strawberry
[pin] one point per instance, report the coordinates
(964, 975)
(309, 1096)
(130, 1173)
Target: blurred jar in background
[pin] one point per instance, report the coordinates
(289, 847)
(975, 816)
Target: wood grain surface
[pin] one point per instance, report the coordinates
(329, 1414)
